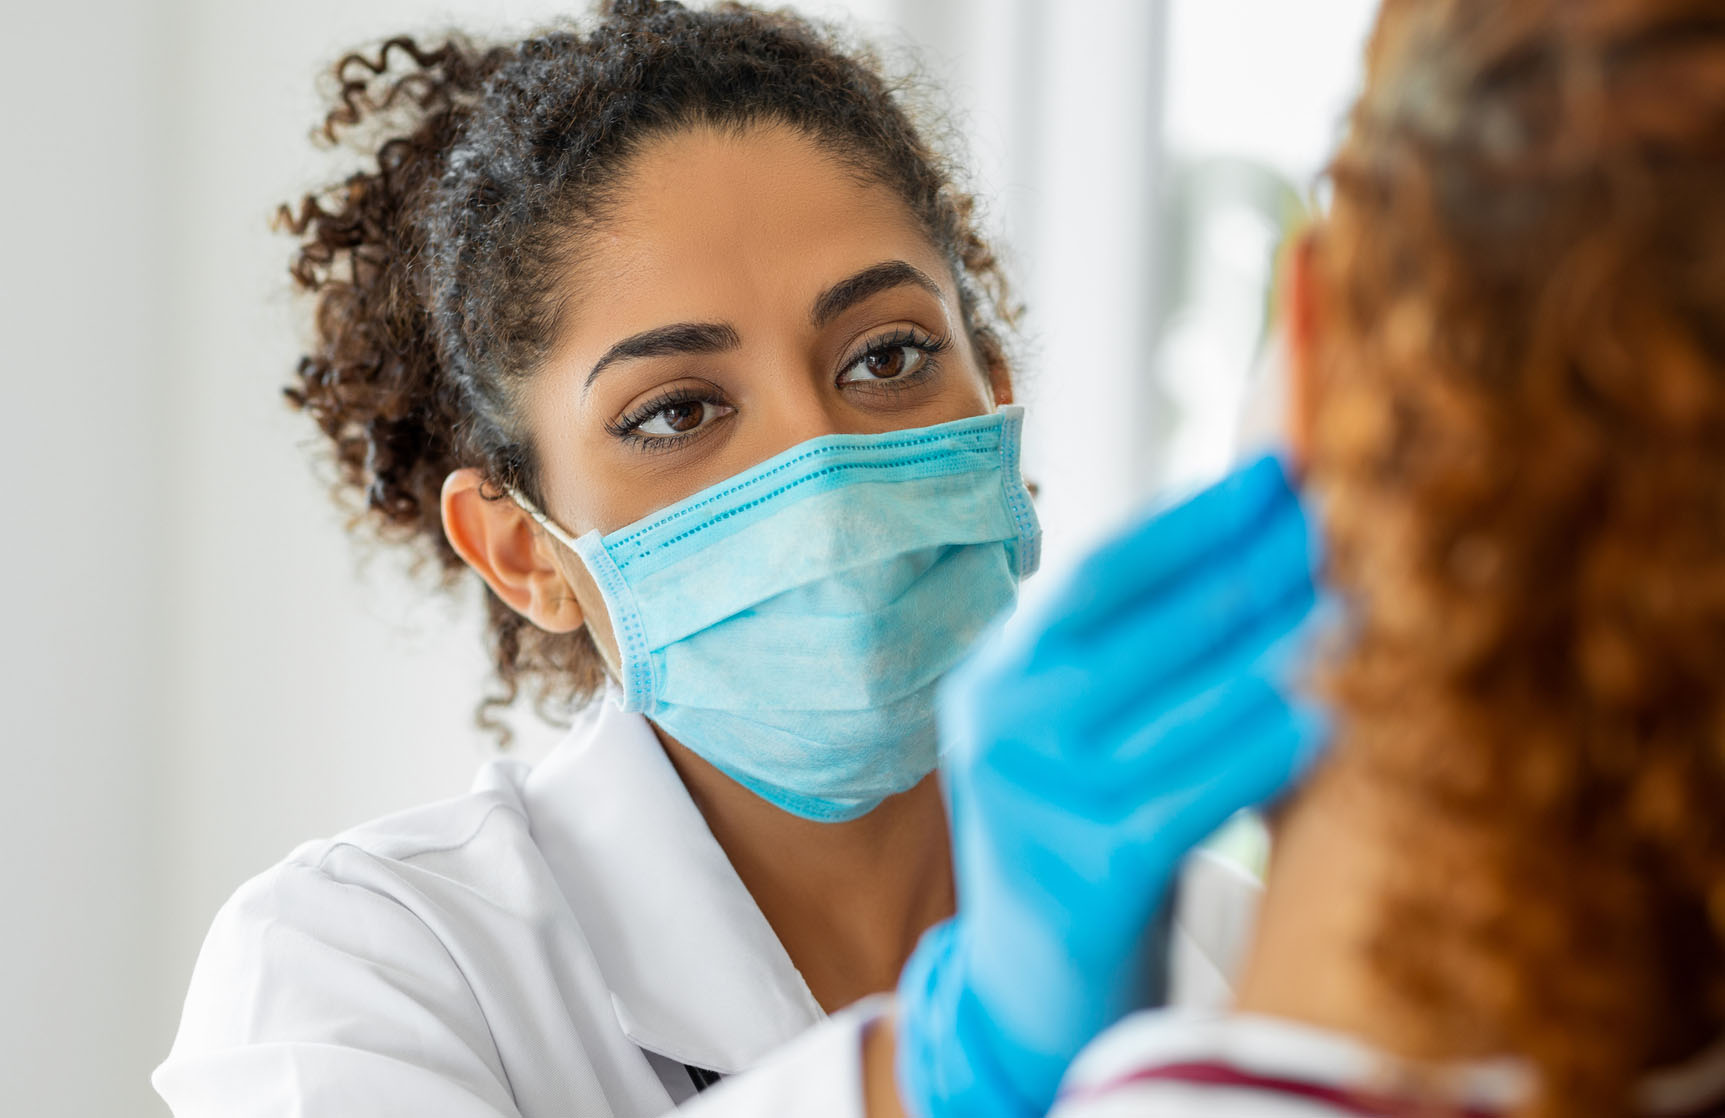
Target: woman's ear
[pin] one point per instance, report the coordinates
(1302, 312)
(511, 553)
(999, 376)
(1000, 388)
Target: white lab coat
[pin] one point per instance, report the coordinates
(563, 942)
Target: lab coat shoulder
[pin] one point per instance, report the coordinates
(441, 826)
(279, 1019)
(480, 843)
(402, 968)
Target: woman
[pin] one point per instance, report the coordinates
(1504, 890)
(678, 335)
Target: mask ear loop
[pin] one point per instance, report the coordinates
(551, 526)
(639, 681)
(1027, 550)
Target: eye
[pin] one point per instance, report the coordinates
(901, 357)
(888, 363)
(670, 417)
(680, 418)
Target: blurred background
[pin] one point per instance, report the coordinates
(203, 672)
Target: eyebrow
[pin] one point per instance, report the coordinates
(718, 337)
(668, 341)
(847, 293)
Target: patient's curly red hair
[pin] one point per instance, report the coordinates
(1521, 437)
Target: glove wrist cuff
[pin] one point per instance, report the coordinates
(951, 1060)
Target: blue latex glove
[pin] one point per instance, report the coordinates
(1087, 749)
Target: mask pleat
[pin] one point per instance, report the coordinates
(791, 624)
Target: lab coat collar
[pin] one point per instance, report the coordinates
(695, 972)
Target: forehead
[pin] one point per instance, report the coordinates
(718, 222)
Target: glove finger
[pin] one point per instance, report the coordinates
(1204, 733)
(1164, 652)
(1163, 640)
(1279, 749)
(1163, 753)
(1038, 747)
(1164, 546)
(1063, 853)
(1187, 757)
(1275, 630)
(1038, 668)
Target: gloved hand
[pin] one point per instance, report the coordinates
(1086, 750)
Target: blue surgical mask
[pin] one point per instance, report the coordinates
(790, 624)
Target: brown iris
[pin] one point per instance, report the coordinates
(685, 416)
(886, 364)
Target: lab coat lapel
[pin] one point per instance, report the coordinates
(695, 972)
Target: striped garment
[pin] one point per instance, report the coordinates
(1176, 1064)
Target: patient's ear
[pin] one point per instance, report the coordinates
(1302, 312)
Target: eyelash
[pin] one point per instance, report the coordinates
(904, 337)
(627, 425)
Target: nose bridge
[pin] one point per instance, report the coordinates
(802, 416)
(798, 402)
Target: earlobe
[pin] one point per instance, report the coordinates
(509, 551)
(999, 381)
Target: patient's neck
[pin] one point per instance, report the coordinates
(1311, 960)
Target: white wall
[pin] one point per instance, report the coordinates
(81, 296)
(198, 674)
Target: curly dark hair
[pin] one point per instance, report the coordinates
(1521, 435)
(436, 268)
